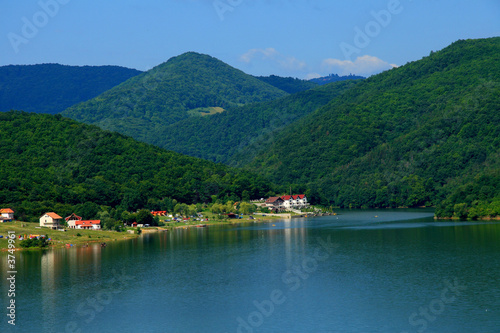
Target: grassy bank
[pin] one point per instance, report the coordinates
(59, 238)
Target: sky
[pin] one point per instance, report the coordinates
(297, 38)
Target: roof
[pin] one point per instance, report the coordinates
(273, 199)
(6, 210)
(294, 197)
(53, 215)
(75, 217)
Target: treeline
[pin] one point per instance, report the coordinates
(289, 84)
(427, 133)
(335, 78)
(51, 88)
(51, 163)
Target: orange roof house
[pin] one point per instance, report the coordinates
(88, 224)
(50, 220)
(6, 214)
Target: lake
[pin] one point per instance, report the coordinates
(361, 271)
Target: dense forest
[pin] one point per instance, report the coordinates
(424, 134)
(51, 88)
(288, 84)
(145, 104)
(427, 133)
(335, 78)
(51, 163)
(234, 137)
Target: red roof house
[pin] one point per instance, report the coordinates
(88, 224)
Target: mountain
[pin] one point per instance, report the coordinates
(51, 88)
(51, 163)
(235, 136)
(427, 133)
(289, 84)
(188, 85)
(335, 78)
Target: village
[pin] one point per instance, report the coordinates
(286, 203)
(286, 206)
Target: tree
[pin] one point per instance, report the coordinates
(145, 217)
(247, 208)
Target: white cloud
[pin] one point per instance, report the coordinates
(272, 55)
(365, 65)
(263, 53)
(292, 63)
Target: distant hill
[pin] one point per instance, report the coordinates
(289, 84)
(51, 88)
(427, 133)
(335, 78)
(51, 163)
(235, 136)
(188, 85)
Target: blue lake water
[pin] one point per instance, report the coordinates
(361, 271)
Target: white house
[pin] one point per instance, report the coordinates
(6, 215)
(72, 219)
(295, 201)
(50, 220)
(88, 224)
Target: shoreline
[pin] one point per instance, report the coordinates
(88, 237)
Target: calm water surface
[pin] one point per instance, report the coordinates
(361, 271)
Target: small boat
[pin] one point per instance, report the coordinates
(201, 226)
(104, 244)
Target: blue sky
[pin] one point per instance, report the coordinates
(299, 38)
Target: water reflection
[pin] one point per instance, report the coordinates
(202, 279)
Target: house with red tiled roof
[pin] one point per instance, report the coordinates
(72, 219)
(88, 224)
(6, 215)
(295, 201)
(50, 220)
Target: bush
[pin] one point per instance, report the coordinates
(34, 242)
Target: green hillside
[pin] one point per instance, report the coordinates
(51, 88)
(427, 133)
(234, 137)
(289, 84)
(51, 163)
(144, 105)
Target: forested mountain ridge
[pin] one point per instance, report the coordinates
(186, 85)
(288, 84)
(234, 137)
(51, 163)
(335, 78)
(427, 133)
(51, 88)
